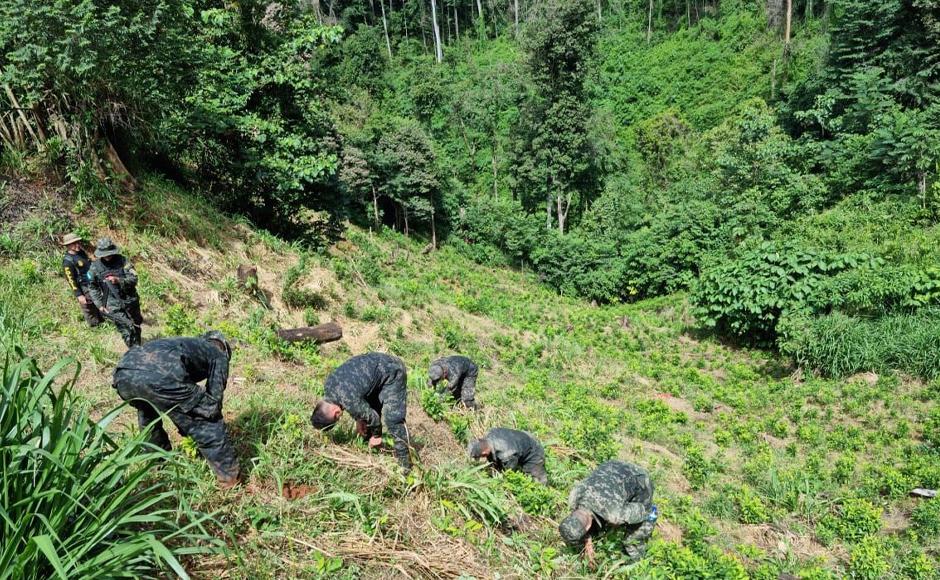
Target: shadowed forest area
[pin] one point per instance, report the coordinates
(701, 236)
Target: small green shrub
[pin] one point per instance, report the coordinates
(535, 498)
(180, 321)
(855, 519)
(926, 517)
(751, 508)
(432, 403)
(869, 559)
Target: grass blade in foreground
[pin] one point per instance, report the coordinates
(74, 502)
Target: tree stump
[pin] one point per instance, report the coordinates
(247, 276)
(319, 334)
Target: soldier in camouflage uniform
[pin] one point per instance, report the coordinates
(368, 386)
(112, 285)
(161, 376)
(511, 449)
(76, 263)
(461, 375)
(615, 494)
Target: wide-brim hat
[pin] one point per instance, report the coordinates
(106, 247)
(71, 238)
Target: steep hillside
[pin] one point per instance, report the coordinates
(759, 470)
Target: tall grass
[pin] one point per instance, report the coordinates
(75, 502)
(837, 345)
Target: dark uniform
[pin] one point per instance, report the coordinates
(368, 387)
(517, 450)
(76, 273)
(162, 375)
(119, 299)
(461, 375)
(619, 494)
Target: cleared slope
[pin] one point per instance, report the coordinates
(753, 463)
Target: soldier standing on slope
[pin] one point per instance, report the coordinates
(614, 494)
(368, 386)
(112, 285)
(76, 263)
(461, 375)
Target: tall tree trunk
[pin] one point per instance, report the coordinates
(548, 211)
(316, 7)
(404, 210)
(786, 34)
(649, 25)
(456, 24)
(480, 9)
(433, 231)
(922, 187)
(424, 19)
(375, 206)
(388, 43)
(563, 203)
(495, 188)
(516, 6)
(438, 52)
(599, 16)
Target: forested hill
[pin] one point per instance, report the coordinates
(778, 159)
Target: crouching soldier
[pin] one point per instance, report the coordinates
(161, 376)
(76, 265)
(461, 375)
(368, 386)
(511, 449)
(615, 494)
(112, 285)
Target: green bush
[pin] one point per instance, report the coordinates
(535, 498)
(746, 296)
(869, 559)
(926, 517)
(751, 508)
(78, 503)
(855, 519)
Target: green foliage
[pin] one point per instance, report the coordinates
(180, 321)
(926, 518)
(433, 404)
(870, 559)
(296, 297)
(854, 520)
(535, 498)
(78, 502)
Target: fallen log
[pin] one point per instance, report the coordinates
(319, 334)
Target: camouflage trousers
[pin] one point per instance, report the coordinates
(90, 312)
(537, 472)
(635, 539)
(202, 422)
(127, 320)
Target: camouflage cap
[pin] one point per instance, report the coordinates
(106, 247)
(572, 530)
(71, 238)
(436, 373)
(220, 338)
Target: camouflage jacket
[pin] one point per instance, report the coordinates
(171, 367)
(112, 296)
(452, 368)
(617, 493)
(368, 387)
(76, 271)
(514, 449)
